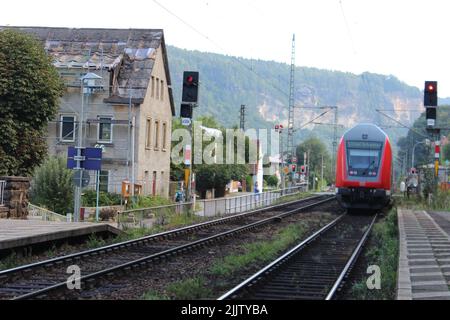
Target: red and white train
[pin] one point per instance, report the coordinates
(364, 168)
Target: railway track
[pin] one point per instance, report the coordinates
(42, 279)
(315, 269)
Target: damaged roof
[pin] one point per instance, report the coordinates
(128, 53)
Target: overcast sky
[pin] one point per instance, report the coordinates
(406, 38)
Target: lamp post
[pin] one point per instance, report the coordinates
(426, 142)
(88, 79)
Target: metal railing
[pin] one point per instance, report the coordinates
(204, 209)
(2, 190)
(36, 212)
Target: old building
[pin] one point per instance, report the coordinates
(127, 101)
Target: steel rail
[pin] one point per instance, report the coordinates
(351, 261)
(134, 242)
(272, 266)
(251, 282)
(173, 251)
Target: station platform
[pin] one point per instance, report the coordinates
(424, 262)
(27, 233)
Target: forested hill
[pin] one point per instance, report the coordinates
(263, 86)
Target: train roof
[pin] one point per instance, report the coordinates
(366, 131)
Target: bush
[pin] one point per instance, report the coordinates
(89, 199)
(52, 186)
(150, 201)
(272, 181)
(107, 214)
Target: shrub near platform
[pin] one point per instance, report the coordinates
(381, 250)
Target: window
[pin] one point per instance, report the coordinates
(154, 184)
(105, 129)
(2, 190)
(153, 86)
(162, 90)
(364, 158)
(104, 180)
(164, 136)
(157, 88)
(148, 140)
(67, 132)
(156, 144)
(361, 159)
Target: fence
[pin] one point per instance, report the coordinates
(204, 209)
(35, 212)
(2, 190)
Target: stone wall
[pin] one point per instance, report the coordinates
(15, 198)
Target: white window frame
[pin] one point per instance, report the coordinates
(61, 122)
(98, 130)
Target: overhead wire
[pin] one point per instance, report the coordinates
(250, 68)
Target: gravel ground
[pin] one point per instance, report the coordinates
(197, 264)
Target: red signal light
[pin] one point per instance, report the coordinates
(430, 88)
(190, 79)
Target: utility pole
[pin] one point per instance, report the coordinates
(308, 168)
(79, 159)
(290, 141)
(189, 101)
(78, 187)
(242, 118)
(321, 175)
(333, 164)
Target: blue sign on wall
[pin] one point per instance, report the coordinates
(92, 161)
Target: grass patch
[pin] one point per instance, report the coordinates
(259, 251)
(153, 295)
(382, 251)
(11, 261)
(297, 196)
(95, 242)
(195, 288)
(438, 202)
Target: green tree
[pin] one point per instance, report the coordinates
(30, 88)
(446, 152)
(52, 186)
(272, 181)
(212, 176)
(316, 149)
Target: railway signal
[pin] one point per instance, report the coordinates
(190, 86)
(430, 101)
(430, 98)
(186, 110)
(431, 117)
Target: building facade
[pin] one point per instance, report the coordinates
(124, 107)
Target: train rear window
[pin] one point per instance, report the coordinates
(364, 157)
